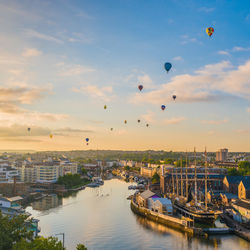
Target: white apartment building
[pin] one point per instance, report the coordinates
(7, 174)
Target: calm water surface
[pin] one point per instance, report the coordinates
(101, 218)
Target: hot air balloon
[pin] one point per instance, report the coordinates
(210, 31)
(138, 121)
(163, 107)
(50, 136)
(87, 139)
(167, 66)
(125, 121)
(111, 129)
(28, 129)
(147, 125)
(87, 144)
(174, 97)
(140, 87)
(105, 106)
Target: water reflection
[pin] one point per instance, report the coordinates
(48, 202)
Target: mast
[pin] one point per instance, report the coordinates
(186, 177)
(173, 180)
(177, 184)
(206, 179)
(195, 178)
(181, 180)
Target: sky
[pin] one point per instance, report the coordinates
(62, 61)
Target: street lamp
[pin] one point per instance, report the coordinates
(62, 235)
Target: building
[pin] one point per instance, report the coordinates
(147, 172)
(243, 207)
(160, 205)
(230, 184)
(244, 188)
(7, 174)
(68, 167)
(27, 172)
(221, 155)
(142, 199)
(47, 172)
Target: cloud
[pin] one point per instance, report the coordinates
(206, 9)
(248, 110)
(187, 39)
(21, 130)
(149, 117)
(214, 122)
(22, 95)
(74, 70)
(213, 82)
(104, 93)
(238, 49)
(146, 81)
(31, 52)
(73, 130)
(211, 132)
(178, 59)
(174, 120)
(35, 34)
(223, 52)
(243, 131)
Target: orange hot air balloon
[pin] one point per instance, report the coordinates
(50, 136)
(210, 31)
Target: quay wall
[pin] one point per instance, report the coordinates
(163, 219)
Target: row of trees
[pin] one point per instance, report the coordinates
(243, 169)
(14, 234)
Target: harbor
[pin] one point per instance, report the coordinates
(110, 221)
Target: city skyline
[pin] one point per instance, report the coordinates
(61, 63)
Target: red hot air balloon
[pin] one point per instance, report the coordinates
(140, 87)
(163, 107)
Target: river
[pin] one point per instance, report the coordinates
(101, 218)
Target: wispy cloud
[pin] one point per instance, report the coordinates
(146, 81)
(187, 39)
(104, 93)
(243, 131)
(30, 52)
(73, 69)
(211, 83)
(238, 49)
(223, 52)
(38, 35)
(174, 120)
(206, 9)
(211, 132)
(149, 117)
(178, 59)
(214, 122)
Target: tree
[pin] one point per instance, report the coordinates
(13, 230)
(233, 171)
(155, 178)
(84, 171)
(244, 168)
(39, 243)
(81, 247)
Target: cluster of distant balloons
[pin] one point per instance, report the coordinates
(167, 66)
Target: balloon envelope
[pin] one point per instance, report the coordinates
(140, 87)
(147, 125)
(167, 66)
(28, 129)
(210, 31)
(51, 136)
(125, 121)
(163, 107)
(139, 121)
(111, 129)
(174, 97)
(105, 106)
(87, 139)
